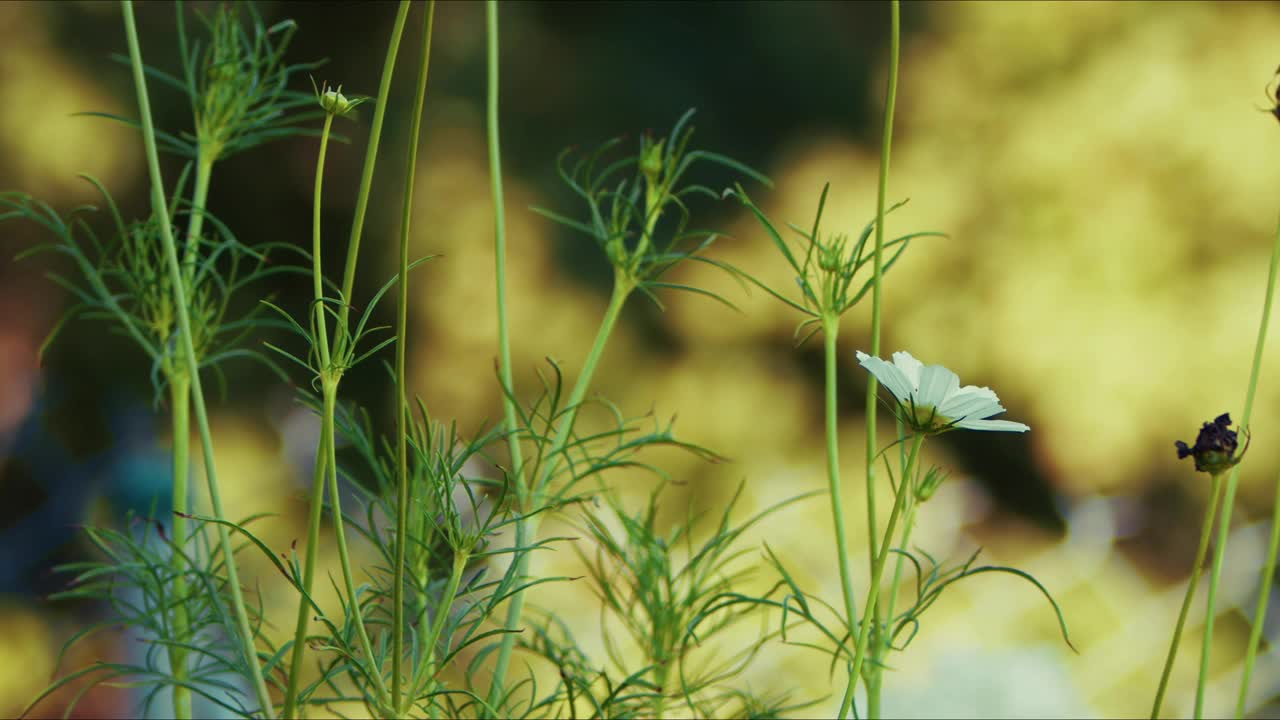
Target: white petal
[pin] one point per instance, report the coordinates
(909, 366)
(937, 383)
(971, 401)
(888, 375)
(994, 425)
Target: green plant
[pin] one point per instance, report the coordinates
(626, 199)
(439, 622)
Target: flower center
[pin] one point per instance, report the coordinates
(927, 418)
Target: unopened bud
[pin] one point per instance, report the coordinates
(930, 484)
(335, 102)
(651, 161)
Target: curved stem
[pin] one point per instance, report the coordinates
(180, 402)
(1269, 568)
(1206, 531)
(877, 568)
(886, 145)
(366, 176)
(160, 210)
(322, 452)
(830, 333)
(1224, 525)
(402, 409)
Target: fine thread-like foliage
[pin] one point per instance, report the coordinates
(237, 84)
(626, 200)
(434, 623)
(123, 282)
(662, 588)
(134, 578)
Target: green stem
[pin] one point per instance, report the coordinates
(660, 676)
(884, 633)
(527, 527)
(308, 580)
(322, 452)
(366, 176)
(1269, 568)
(1206, 531)
(402, 406)
(886, 145)
(877, 568)
(908, 524)
(330, 391)
(180, 401)
(460, 560)
(510, 423)
(199, 200)
(830, 333)
(1260, 611)
(193, 367)
(1228, 502)
(317, 272)
(331, 377)
(622, 288)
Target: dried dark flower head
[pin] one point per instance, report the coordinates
(1215, 446)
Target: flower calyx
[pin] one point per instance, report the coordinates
(334, 102)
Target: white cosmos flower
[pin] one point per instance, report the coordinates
(931, 398)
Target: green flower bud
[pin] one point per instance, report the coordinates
(930, 484)
(651, 161)
(335, 102)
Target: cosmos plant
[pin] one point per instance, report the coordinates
(441, 622)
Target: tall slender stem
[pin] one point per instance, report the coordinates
(908, 524)
(527, 527)
(830, 333)
(308, 579)
(460, 560)
(500, 249)
(366, 176)
(330, 391)
(881, 648)
(199, 199)
(160, 209)
(402, 405)
(1269, 568)
(322, 451)
(331, 376)
(1260, 610)
(877, 568)
(1206, 531)
(882, 188)
(1224, 525)
(510, 422)
(180, 403)
(317, 270)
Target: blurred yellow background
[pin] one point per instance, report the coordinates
(1109, 184)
